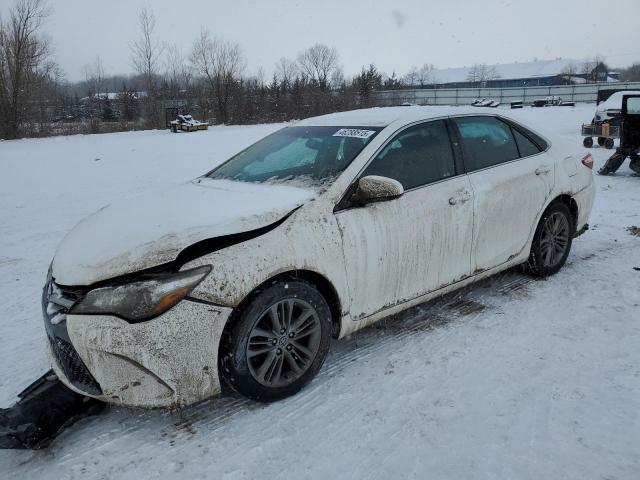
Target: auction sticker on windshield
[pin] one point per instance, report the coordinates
(354, 133)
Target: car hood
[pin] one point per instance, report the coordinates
(150, 230)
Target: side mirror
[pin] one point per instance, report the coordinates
(373, 188)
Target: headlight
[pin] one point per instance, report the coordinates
(143, 299)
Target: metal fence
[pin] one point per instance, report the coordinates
(464, 96)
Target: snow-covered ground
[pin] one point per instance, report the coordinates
(512, 378)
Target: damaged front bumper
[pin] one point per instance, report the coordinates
(168, 361)
(44, 409)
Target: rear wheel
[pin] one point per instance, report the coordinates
(552, 240)
(279, 342)
(601, 141)
(608, 143)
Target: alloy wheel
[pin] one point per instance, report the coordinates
(554, 239)
(284, 342)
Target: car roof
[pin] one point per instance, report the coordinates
(616, 98)
(383, 116)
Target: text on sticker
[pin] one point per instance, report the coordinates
(354, 133)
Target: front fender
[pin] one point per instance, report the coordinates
(308, 240)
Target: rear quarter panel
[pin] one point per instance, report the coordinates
(573, 178)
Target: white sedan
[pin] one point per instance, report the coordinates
(317, 230)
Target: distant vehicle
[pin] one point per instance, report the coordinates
(485, 102)
(552, 100)
(317, 230)
(609, 110)
(187, 123)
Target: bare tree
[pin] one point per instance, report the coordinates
(95, 84)
(411, 77)
(481, 72)
(286, 71)
(319, 64)
(147, 50)
(587, 67)
(631, 74)
(25, 63)
(260, 75)
(221, 63)
(178, 72)
(590, 67)
(570, 72)
(94, 76)
(424, 74)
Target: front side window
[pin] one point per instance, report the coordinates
(417, 156)
(308, 155)
(486, 141)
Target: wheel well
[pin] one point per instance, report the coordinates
(571, 205)
(324, 286)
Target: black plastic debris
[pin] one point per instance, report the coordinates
(44, 409)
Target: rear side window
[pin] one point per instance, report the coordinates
(526, 146)
(486, 141)
(416, 156)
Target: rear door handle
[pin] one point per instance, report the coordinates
(543, 170)
(460, 197)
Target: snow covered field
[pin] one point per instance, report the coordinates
(512, 378)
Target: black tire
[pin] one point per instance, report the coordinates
(547, 258)
(587, 142)
(242, 362)
(608, 143)
(601, 141)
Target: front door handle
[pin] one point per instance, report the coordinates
(543, 170)
(460, 197)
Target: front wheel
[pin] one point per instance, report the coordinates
(552, 241)
(587, 142)
(279, 341)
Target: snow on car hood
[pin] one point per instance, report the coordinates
(152, 229)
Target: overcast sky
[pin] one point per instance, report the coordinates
(392, 34)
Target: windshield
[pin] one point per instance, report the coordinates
(310, 155)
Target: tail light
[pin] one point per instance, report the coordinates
(587, 161)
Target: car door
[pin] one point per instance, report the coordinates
(511, 176)
(399, 249)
